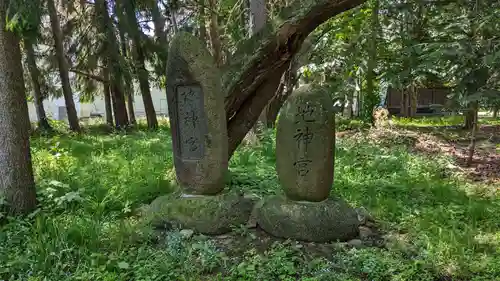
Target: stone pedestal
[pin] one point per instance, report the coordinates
(305, 142)
(207, 214)
(330, 220)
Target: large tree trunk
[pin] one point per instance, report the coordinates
(17, 186)
(249, 78)
(113, 62)
(495, 112)
(74, 124)
(43, 122)
(139, 66)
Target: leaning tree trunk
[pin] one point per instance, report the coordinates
(63, 67)
(110, 48)
(285, 89)
(139, 66)
(17, 186)
(249, 79)
(43, 122)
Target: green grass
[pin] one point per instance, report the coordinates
(90, 185)
(452, 120)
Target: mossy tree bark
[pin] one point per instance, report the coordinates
(262, 67)
(17, 186)
(43, 122)
(74, 125)
(112, 61)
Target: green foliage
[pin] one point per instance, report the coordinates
(23, 16)
(90, 187)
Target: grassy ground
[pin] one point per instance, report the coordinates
(438, 226)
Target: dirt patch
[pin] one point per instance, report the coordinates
(485, 165)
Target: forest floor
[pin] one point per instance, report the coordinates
(438, 219)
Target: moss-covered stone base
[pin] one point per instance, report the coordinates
(212, 215)
(330, 220)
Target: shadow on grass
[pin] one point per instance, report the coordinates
(411, 195)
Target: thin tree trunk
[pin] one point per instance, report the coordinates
(202, 22)
(43, 122)
(370, 100)
(113, 62)
(495, 112)
(160, 36)
(127, 79)
(74, 124)
(413, 100)
(214, 32)
(139, 66)
(17, 185)
(469, 119)
(348, 107)
(472, 145)
(107, 97)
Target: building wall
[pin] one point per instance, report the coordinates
(97, 107)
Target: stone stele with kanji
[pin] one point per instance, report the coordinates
(200, 144)
(305, 142)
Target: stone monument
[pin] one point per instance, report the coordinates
(200, 144)
(305, 142)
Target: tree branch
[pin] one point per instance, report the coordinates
(89, 75)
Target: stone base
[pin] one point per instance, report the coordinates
(211, 215)
(330, 220)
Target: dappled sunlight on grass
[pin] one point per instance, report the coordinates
(411, 194)
(90, 186)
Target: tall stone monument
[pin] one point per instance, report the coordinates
(305, 142)
(200, 144)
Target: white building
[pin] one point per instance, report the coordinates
(55, 107)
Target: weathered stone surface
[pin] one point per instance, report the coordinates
(356, 243)
(305, 140)
(330, 220)
(211, 215)
(197, 116)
